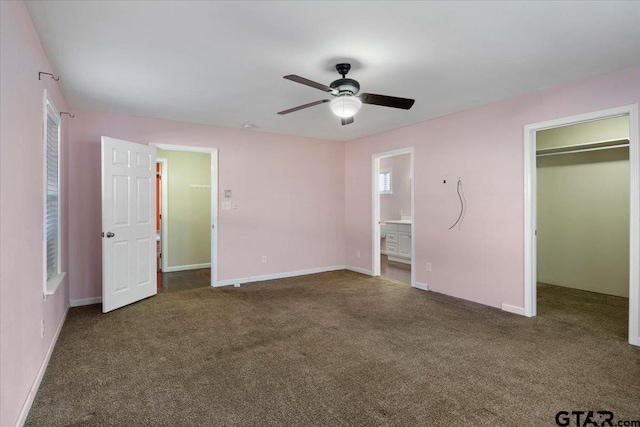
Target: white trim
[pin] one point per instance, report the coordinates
(375, 210)
(422, 286)
(530, 221)
(164, 211)
(51, 284)
(358, 270)
(513, 309)
(85, 301)
(230, 282)
(24, 412)
(186, 267)
(214, 200)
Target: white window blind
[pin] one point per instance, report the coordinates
(52, 224)
(385, 181)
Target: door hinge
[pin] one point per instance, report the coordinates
(102, 234)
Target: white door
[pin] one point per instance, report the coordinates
(128, 223)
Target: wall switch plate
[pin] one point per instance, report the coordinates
(264, 259)
(358, 253)
(227, 194)
(226, 205)
(428, 266)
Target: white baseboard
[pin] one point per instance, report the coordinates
(262, 278)
(36, 383)
(419, 285)
(358, 270)
(513, 309)
(186, 267)
(85, 301)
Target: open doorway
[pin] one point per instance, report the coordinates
(581, 218)
(583, 222)
(392, 213)
(187, 214)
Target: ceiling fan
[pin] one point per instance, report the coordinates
(345, 103)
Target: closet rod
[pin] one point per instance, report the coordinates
(582, 150)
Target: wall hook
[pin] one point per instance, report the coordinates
(69, 114)
(48, 74)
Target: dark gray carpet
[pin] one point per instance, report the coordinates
(338, 349)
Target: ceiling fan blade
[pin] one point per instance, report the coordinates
(300, 107)
(386, 101)
(346, 121)
(308, 82)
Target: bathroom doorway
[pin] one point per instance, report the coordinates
(392, 212)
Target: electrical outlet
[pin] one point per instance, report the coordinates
(358, 253)
(428, 266)
(42, 328)
(264, 259)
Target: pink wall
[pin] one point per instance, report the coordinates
(483, 261)
(22, 350)
(400, 198)
(289, 192)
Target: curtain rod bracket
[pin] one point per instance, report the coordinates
(69, 114)
(48, 74)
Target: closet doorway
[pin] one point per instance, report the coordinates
(187, 214)
(581, 217)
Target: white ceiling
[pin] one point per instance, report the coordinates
(222, 63)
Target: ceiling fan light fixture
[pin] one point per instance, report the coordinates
(345, 105)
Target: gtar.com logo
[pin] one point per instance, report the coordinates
(591, 418)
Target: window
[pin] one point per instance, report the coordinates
(385, 181)
(51, 196)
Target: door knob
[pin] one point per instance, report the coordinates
(110, 234)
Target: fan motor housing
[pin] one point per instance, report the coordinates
(345, 85)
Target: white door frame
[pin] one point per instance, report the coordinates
(214, 202)
(375, 210)
(530, 208)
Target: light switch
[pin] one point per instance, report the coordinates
(226, 205)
